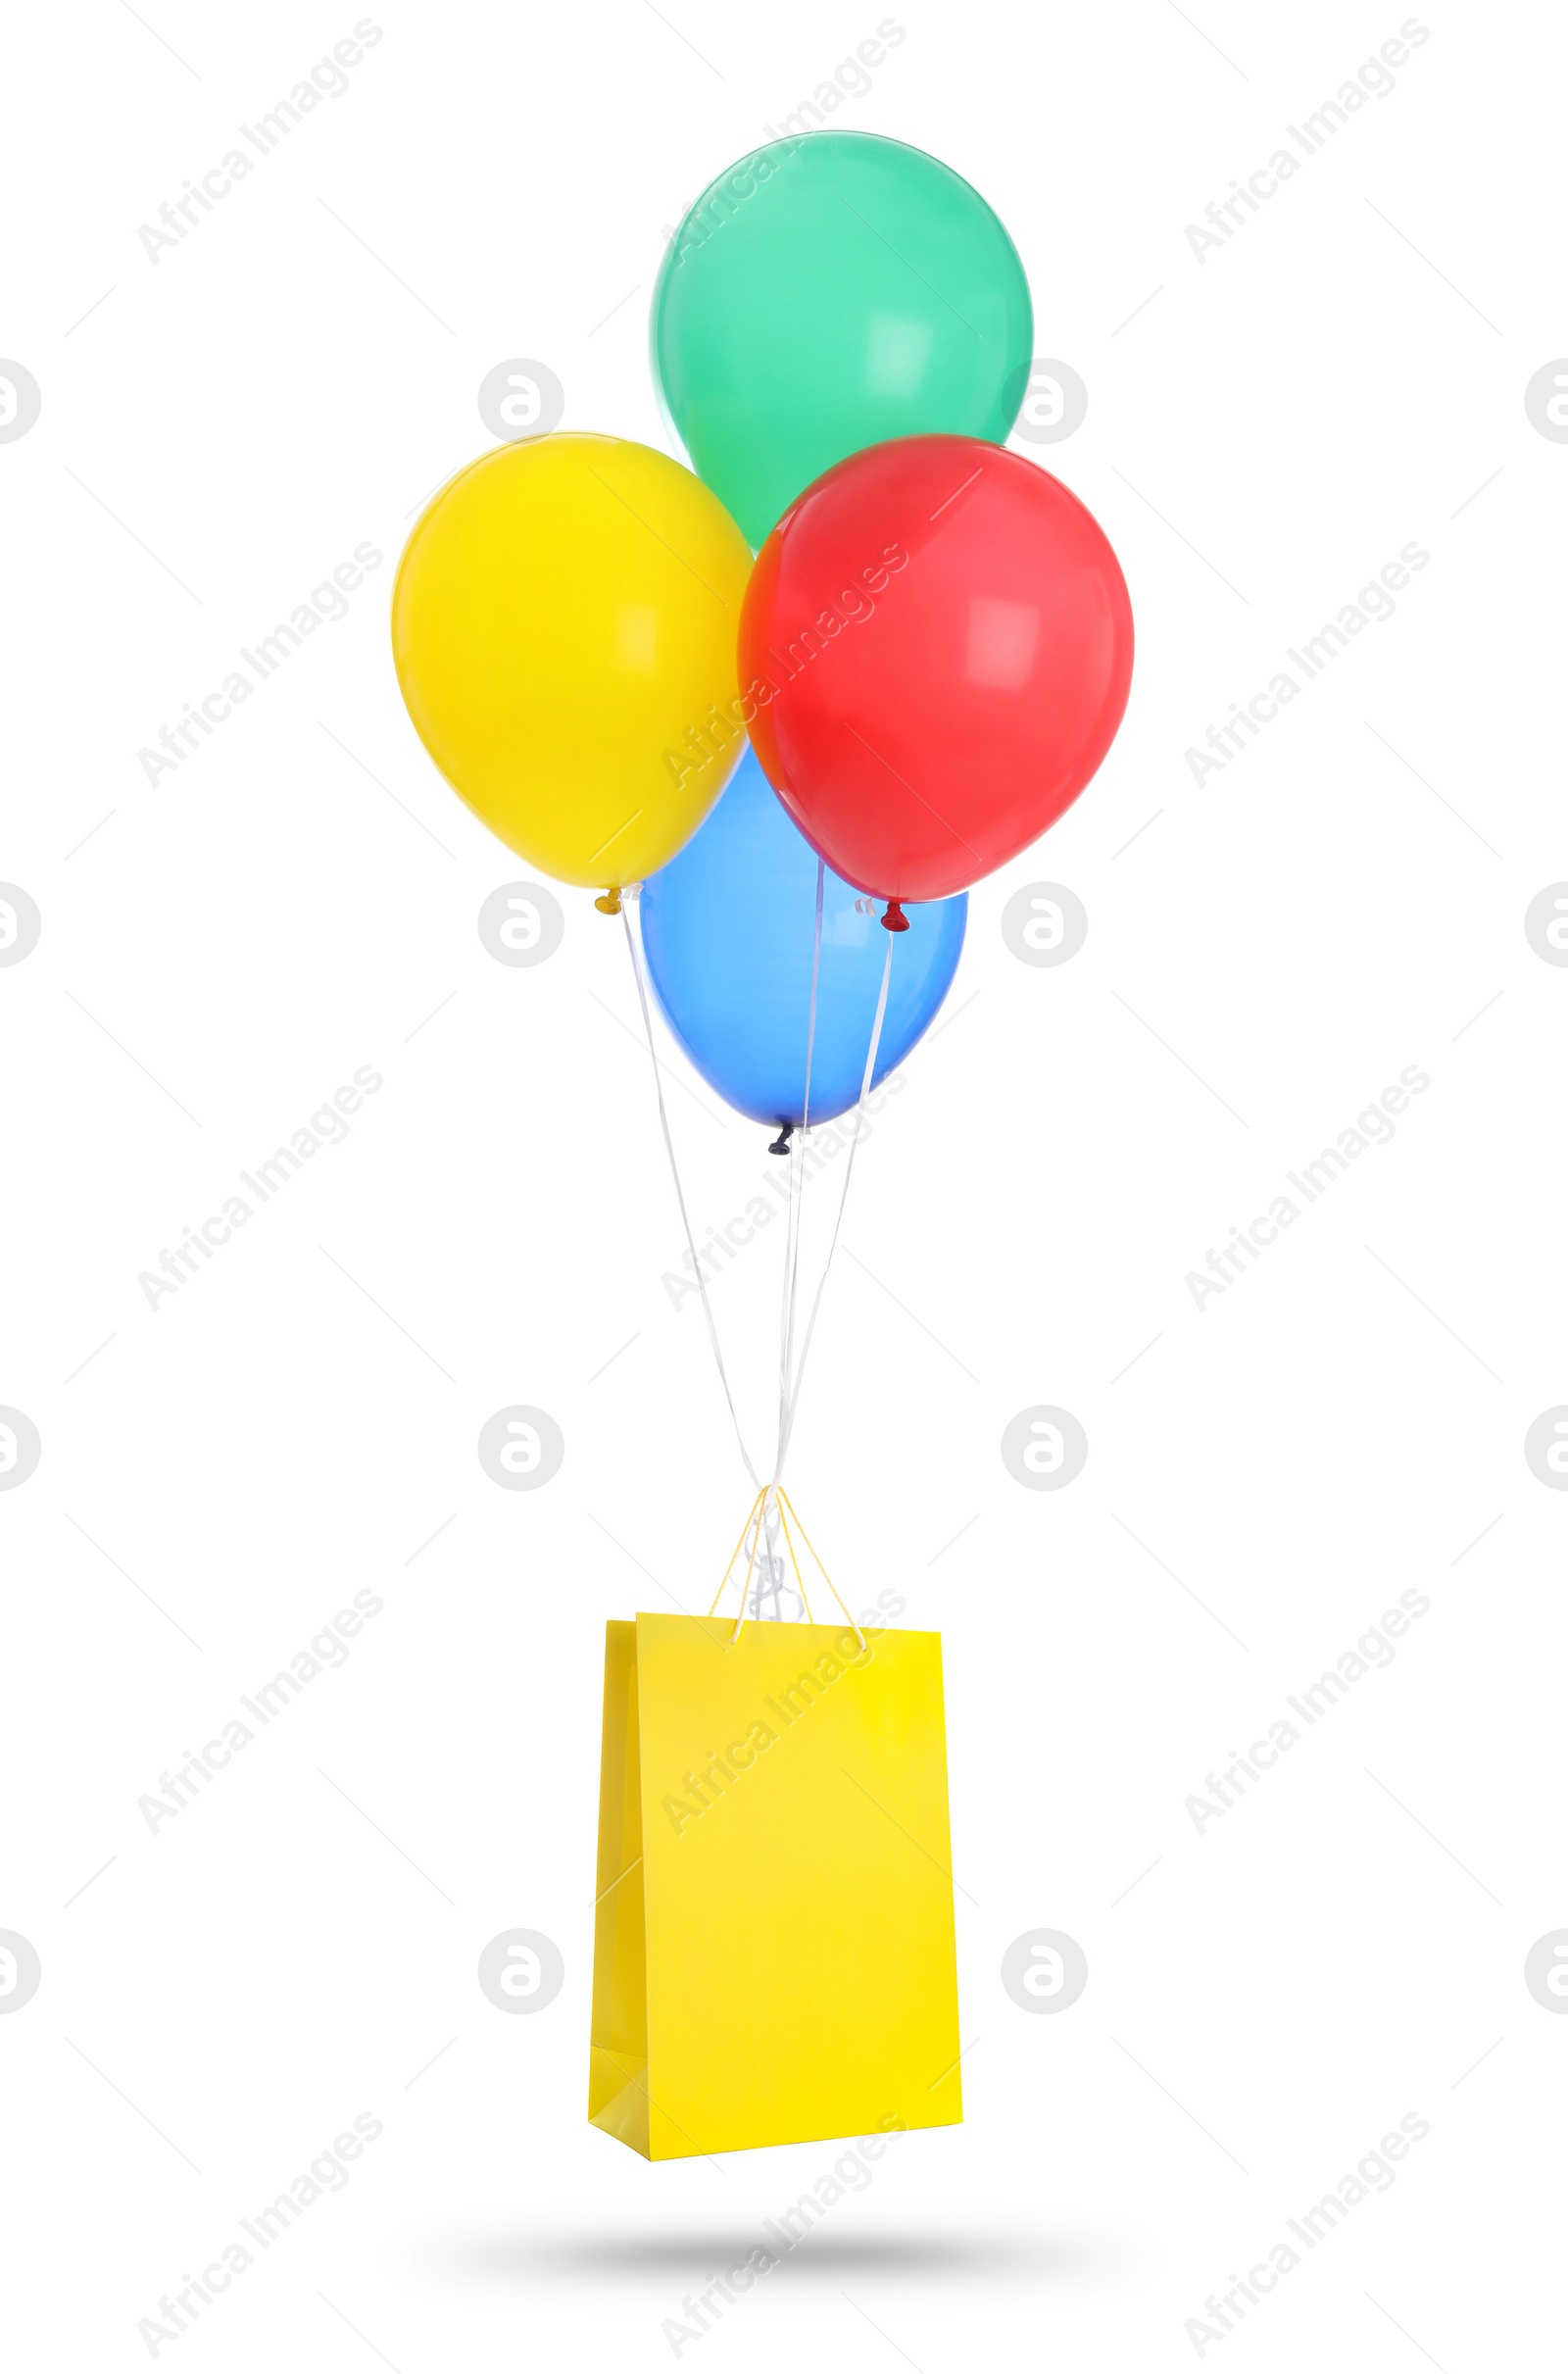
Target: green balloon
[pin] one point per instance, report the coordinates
(828, 293)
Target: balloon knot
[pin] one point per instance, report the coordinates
(610, 904)
(781, 1143)
(895, 919)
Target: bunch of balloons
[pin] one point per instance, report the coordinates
(920, 669)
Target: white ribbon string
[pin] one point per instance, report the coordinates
(769, 1515)
(765, 1524)
(670, 1149)
(798, 1195)
(844, 1196)
(793, 1191)
(769, 1500)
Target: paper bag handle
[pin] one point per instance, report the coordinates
(757, 1513)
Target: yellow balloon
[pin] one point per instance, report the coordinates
(563, 630)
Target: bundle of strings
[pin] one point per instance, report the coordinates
(751, 1535)
(767, 1519)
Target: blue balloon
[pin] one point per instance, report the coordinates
(727, 928)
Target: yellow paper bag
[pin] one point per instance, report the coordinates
(773, 1942)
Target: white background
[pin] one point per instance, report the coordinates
(1343, 901)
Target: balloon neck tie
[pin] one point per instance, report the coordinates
(610, 904)
(894, 918)
(781, 1143)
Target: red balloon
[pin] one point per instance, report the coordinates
(938, 644)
